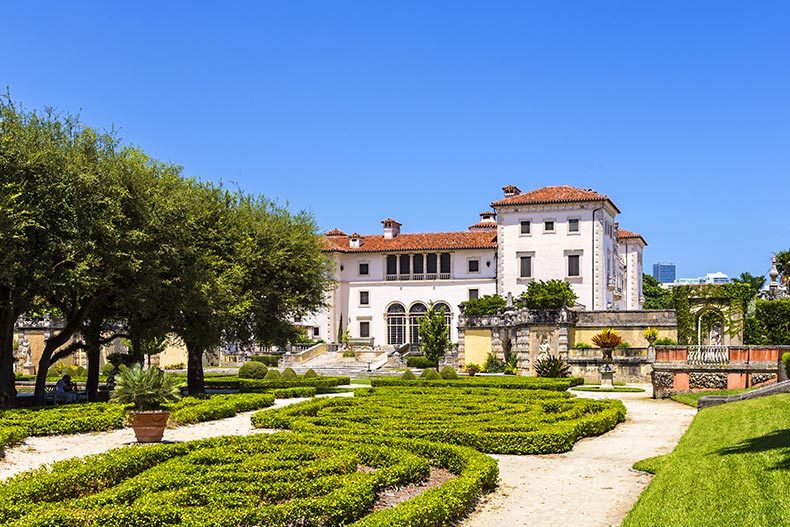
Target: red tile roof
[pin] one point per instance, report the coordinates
(561, 194)
(624, 234)
(483, 225)
(432, 241)
(335, 232)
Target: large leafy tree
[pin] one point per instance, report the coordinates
(755, 283)
(656, 297)
(783, 266)
(551, 294)
(434, 334)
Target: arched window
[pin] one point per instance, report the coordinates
(396, 324)
(416, 312)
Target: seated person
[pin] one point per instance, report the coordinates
(65, 391)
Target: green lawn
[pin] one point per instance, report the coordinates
(595, 388)
(732, 468)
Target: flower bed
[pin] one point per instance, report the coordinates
(273, 480)
(505, 382)
(491, 420)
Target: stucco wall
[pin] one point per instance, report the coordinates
(629, 324)
(477, 345)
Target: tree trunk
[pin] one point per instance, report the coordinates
(195, 383)
(8, 318)
(52, 344)
(92, 334)
(137, 348)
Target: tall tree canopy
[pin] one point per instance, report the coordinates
(656, 297)
(107, 238)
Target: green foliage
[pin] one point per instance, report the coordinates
(253, 370)
(745, 445)
(448, 372)
(197, 410)
(288, 374)
(786, 361)
(607, 338)
(473, 368)
(735, 296)
(408, 375)
(551, 366)
(665, 342)
(582, 346)
(772, 324)
(275, 480)
(349, 353)
(418, 361)
(650, 333)
(755, 283)
(489, 420)
(272, 375)
(269, 360)
(656, 297)
(429, 374)
(551, 294)
(485, 305)
(505, 383)
(493, 364)
(434, 334)
(105, 370)
(310, 374)
(145, 389)
(624, 345)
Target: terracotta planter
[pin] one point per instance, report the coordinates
(149, 427)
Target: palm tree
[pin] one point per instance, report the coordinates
(755, 283)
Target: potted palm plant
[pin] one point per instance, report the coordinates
(607, 340)
(147, 390)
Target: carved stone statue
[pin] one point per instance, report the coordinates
(544, 348)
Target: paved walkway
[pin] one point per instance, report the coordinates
(593, 485)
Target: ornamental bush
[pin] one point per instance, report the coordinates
(448, 372)
(786, 360)
(253, 370)
(429, 374)
(408, 375)
(419, 362)
(309, 374)
(551, 367)
(288, 374)
(493, 365)
(272, 375)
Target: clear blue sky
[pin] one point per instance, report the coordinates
(422, 111)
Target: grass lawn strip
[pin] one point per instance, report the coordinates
(732, 467)
(594, 388)
(274, 480)
(503, 421)
(691, 399)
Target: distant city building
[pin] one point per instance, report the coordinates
(664, 272)
(708, 279)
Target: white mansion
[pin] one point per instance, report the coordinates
(386, 281)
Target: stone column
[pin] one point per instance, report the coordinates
(521, 348)
(461, 345)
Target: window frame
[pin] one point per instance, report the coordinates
(469, 262)
(528, 225)
(553, 226)
(520, 256)
(359, 268)
(578, 230)
(366, 294)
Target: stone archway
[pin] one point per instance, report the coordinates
(716, 322)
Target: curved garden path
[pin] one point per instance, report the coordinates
(592, 485)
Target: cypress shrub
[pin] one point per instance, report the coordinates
(448, 373)
(310, 373)
(253, 370)
(430, 375)
(272, 375)
(288, 374)
(408, 375)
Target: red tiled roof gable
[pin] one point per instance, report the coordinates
(432, 241)
(560, 194)
(624, 234)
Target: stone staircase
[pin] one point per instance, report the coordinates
(771, 389)
(334, 364)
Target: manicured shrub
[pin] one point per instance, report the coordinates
(786, 360)
(253, 370)
(551, 366)
(419, 362)
(408, 375)
(472, 369)
(448, 372)
(288, 374)
(665, 342)
(430, 374)
(269, 360)
(272, 375)
(310, 373)
(493, 365)
(582, 346)
(624, 345)
(508, 383)
(105, 370)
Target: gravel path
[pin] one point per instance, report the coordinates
(593, 485)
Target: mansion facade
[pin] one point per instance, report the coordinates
(386, 281)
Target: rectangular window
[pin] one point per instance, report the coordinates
(316, 332)
(364, 298)
(444, 263)
(364, 269)
(430, 263)
(573, 225)
(417, 260)
(392, 264)
(474, 293)
(473, 266)
(525, 270)
(364, 329)
(405, 264)
(525, 227)
(548, 226)
(573, 265)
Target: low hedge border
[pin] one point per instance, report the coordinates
(258, 385)
(511, 383)
(217, 482)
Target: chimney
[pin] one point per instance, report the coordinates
(355, 241)
(488, 217)
(511, 190)
(391, 228)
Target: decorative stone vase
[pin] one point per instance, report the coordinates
(149, 427)
(607, 369)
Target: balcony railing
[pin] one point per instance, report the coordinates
(714, 355)
(421, 276)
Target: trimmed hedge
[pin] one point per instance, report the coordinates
(253, 370)
(490, 420)
(269, 360)
(510, 382)
(258, 385)
(274, 480)
(420, 362)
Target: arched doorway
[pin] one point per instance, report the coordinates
(416, 314)
(396, 324)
